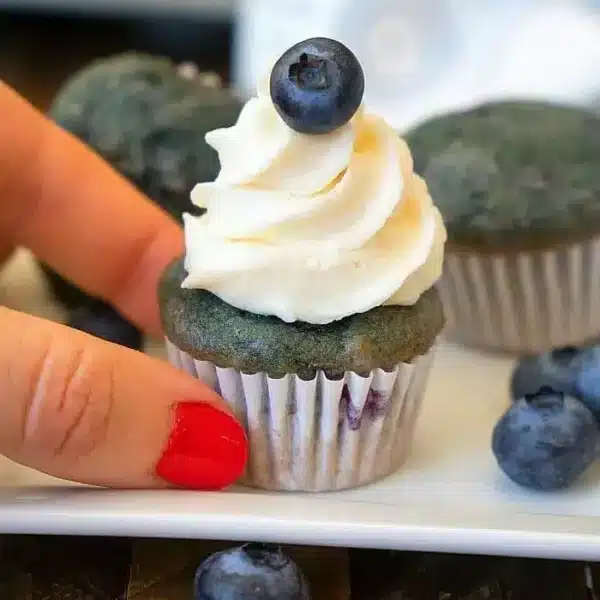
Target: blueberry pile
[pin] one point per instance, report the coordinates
(252, 572)
(551, 433)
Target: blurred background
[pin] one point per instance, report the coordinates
(42, 42)
(420, 56)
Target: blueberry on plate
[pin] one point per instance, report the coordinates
(556, 369)
(252, 572)
(317, 86)
(587, 379)
(104, 322)
(546, 440)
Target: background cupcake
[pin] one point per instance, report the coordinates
(519, 188)
(146, 116)
(305, 297)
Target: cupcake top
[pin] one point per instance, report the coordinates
(316, 213)
(513, 175)
(147, 117)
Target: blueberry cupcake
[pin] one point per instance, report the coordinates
(146, 116)
(305, 297)
(518, 185)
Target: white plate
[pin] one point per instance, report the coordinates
(449, 497)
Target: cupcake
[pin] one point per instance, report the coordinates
(305, 298)
(146, 116)
(519, 188)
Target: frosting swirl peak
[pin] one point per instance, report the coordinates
(312, 228)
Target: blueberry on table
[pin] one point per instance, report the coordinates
(574, 371)
(546, 440)
(317, 86)
(104, 322)
(556, 369)
(252, 572)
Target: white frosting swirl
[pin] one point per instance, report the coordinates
(312, 227)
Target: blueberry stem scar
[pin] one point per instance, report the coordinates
(310, 72)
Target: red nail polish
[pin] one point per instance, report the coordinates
(207, 448)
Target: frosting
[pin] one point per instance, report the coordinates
(312, 228)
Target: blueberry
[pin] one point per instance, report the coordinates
(587, 379)
(317, 86)
(104, 322)
(252, 572)
(557, 370)
(546, 440)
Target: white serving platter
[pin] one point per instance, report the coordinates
(450, 496)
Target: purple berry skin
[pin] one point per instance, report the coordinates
(545, 441)
(104, 322)
(317, 86)
(375, 406)
(573, 371)
(252, 572)
(556, 369)
(587, 379)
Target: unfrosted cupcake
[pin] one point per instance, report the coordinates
(146, 116)
(305, 298)
(518, 184)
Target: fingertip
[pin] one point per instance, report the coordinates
(86, 410)
(207, 448)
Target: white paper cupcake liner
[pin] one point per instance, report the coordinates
(321, 434)
(525, 302)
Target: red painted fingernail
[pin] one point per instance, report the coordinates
(207, 448)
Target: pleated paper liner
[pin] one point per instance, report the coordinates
(320, 434)
(525, 302)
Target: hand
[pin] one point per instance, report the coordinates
(74, 406)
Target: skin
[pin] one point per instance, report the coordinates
(74, 406)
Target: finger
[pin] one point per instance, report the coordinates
(82, 409)
(73, 211)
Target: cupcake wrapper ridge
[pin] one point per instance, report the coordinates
(526, 303)
(319, 434)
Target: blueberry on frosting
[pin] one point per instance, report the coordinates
(317, 86)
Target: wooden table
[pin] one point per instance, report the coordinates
(36, 54)
(56, 568)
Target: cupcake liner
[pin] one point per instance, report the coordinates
(525, 302)
(319, 434)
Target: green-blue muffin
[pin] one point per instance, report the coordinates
(519, 188)
(146, 116)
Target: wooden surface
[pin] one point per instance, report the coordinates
(55, 568)
(164, 569)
